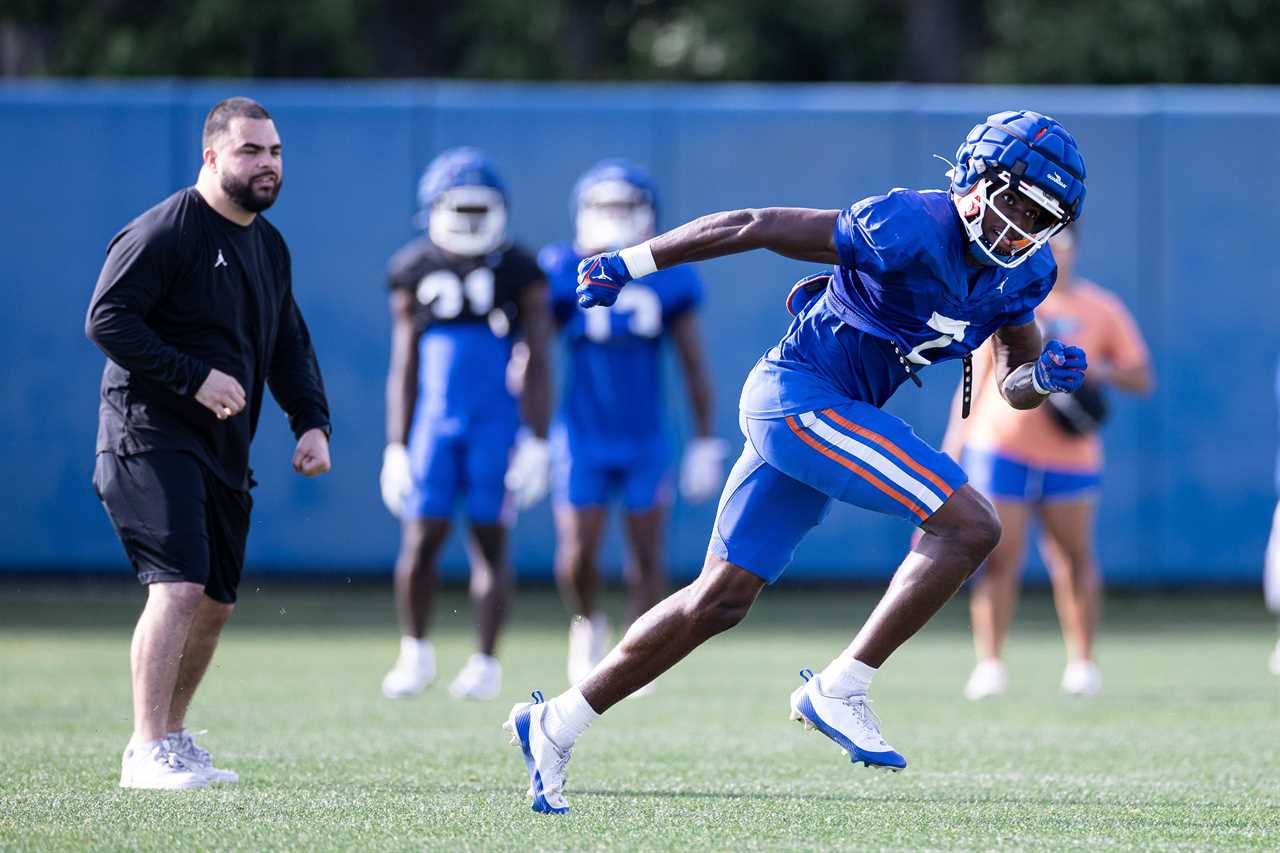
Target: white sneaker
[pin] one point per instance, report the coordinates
(480, 679)
(1082, 678)
(415, 669)
(182, 745)
(545, 761)
(987, 679)
(1275, 660)
(155, 766)
(588, 644)
(848, 721)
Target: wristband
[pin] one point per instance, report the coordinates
(1035, 383)
(639, 260)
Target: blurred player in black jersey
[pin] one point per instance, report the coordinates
(194, 308)
(469, 337)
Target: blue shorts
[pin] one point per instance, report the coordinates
(583, 474)
(791, 469)
(1003, 478)
(449, 458)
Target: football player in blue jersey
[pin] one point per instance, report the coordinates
(470, 323)
(609, 437)
(917, 277)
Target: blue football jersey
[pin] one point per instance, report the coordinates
(905, 285)
(613, 375)
(466, 315)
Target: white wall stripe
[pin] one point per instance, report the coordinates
(873, 458)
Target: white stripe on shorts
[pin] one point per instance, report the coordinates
(872, 457)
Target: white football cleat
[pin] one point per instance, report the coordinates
(158, 768)
(1275, 660)
(987, 679)
(182, 745)
(848, 721)
(480, 679)
(588, 644)
(545, 762)
(414, 671)
(1082, 678)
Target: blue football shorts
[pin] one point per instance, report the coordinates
(589, 473)
(1003, 478)
(453, 458)
(793, 467)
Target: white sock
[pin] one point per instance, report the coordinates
(416, 651)
(846, 676)
(567, 717)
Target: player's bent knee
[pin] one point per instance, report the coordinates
(968, 520)
(721, 597)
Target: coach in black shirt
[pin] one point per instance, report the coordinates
(194, 308)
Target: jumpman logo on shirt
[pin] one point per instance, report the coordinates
(221, 261)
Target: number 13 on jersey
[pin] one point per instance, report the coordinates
(638, 312)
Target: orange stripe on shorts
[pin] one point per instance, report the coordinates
(857, 469)
(892, 448)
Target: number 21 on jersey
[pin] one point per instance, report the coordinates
(448, 295)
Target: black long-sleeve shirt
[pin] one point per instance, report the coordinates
(185, 290)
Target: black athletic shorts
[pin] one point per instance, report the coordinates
(176, 520)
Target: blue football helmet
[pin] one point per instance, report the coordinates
(1018, 151)
(615, 205)
(463, 203)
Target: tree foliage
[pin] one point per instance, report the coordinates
(1004, 41)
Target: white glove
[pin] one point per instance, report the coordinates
(529, 473)
(395, 479)
(702, 468)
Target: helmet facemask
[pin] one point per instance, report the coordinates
(986, 194)
(612, 215)
(469, 220)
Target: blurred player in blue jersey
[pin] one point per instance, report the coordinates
(917, 278)
(609, 438)
(462, 296)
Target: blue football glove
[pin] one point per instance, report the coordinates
(600, 277)
(1060, 368)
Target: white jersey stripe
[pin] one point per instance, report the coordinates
(872, 457)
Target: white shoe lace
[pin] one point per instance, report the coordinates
(185, 746)
(860, 707)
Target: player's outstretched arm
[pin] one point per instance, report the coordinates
(794, 232)
(1028, 373)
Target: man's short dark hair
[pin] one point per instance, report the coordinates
(219, 118)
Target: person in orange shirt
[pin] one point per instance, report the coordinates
(1047, 462)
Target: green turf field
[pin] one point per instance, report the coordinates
(1182, 752)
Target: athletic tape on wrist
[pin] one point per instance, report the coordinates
(1035, 383)
(639, 260)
